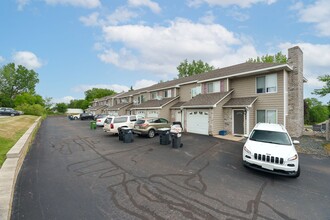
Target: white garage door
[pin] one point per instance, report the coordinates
(152, 114)
(141, 113)
(198, 122)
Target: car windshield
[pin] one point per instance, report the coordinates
(273, 137)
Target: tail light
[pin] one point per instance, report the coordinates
(144, 125)
(111, 126)
(98, 120)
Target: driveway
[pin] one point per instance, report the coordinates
(72, 172)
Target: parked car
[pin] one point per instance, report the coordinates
(107, 123)
(269, 148)
(100, 119)
(127, 121)
(149, 126)
(8, 111)
(86, 116)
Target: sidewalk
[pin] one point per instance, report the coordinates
(10, 169)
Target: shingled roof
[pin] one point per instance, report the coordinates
(206, 100)
(240, 102)
(154, 103)
(230, 71)
(118, 106)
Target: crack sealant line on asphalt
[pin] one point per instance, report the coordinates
(10, 170)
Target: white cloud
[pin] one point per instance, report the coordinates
(22, 4)
(76, 3)
(91, 20)
(2, 59)
(208, 18)
(317, 13)
(153, 6)
(160, 49)
(27, 59)
(115, 87)
(143, 83)
(121, 15)
(65, 99)
(226, 3)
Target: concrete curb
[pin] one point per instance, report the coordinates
(10, 170)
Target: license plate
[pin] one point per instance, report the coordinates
(268, 167)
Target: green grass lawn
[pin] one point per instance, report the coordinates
(11, 130)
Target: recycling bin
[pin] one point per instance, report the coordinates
(93, 125)
(127, 135)
(176, 132)
(120, 134)
(164, 136)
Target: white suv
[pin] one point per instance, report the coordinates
(127, 121)
(270, 148)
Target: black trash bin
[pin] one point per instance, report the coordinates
(120, 134)
(175, 132)
(164, 136)
(127, 135)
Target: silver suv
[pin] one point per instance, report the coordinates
(127, 121)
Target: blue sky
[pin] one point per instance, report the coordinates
(76, 45)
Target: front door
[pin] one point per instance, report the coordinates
(239, 122)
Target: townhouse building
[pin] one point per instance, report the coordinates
(233, 98)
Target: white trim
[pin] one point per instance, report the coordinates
(285, 97)
(247, 131)
(227, 85)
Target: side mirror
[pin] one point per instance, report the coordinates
(296, 142)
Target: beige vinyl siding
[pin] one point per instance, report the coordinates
(252, 121)
(217, 119)
(246, 87)
(165, 112)
(185, 92)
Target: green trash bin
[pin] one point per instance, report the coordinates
(93, 125)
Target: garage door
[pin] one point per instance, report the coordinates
(141, 113)
(152, 114)
(198, 122)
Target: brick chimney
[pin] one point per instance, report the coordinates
(295, 117)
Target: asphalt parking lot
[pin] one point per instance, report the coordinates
(72, 172)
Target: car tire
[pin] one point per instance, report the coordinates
(151, 133)
(297, 174)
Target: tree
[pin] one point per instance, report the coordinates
(196, 67)
(17, 80)
(326, 88)
(277, 58)
(97, 93)
(28, 98)
(61, 107)
(317, 112)
(78, 103)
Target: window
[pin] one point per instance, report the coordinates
(212, 87)
(268, 116)
(267, 84)
(168, 93)
(195, 91)
(140, 99)
(154, 95)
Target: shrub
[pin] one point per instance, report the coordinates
(34, 109)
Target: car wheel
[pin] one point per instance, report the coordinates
(297, 174)
(12, 115)
(151, 133)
